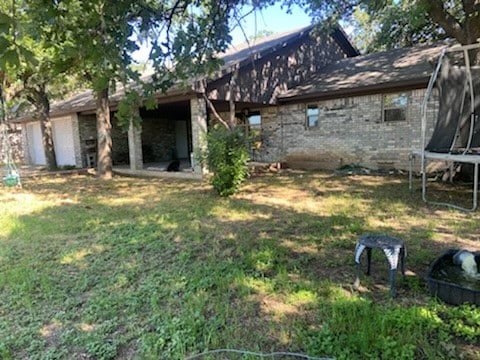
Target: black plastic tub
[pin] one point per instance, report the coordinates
(451, 291)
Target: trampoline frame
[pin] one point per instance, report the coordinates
(464, 158)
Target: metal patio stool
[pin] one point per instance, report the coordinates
(394, 250)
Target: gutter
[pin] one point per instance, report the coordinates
(358, 91)
(90, 107)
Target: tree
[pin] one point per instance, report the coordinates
(185, 36)
(260, 34)
(404, 22)
(27, 66)
(95, 37)
(94, 40)
(397, 25)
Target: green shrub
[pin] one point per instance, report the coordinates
(226, 157)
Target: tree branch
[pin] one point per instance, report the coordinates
(214, 111)
(472, 19)
(468, 6)
(449, 23)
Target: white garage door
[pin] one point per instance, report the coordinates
(63, 141)
(35, 145)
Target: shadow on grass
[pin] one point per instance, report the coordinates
(163, 269)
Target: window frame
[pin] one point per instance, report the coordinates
(254, 131)
(394, 106)
(308, 117)
(254, 126)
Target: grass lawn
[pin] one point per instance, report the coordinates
(165, 269)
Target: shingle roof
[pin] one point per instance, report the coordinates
(234, 55)
(254, 48)
(80, 102)
(389, 69)
(85, 101)
(268, 44)
(237, 54)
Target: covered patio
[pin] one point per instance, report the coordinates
(170, 132)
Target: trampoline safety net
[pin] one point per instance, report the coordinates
(456, 135)
(458, 127)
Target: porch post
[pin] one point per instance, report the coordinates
(76, 141)
(135, 146)
(198, 111)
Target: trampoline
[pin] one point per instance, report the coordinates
(456, 136)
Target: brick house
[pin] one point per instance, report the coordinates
(310, 98)
(363, 110)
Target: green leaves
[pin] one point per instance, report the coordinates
(9, 58)
(4, 44)
(386, 24)
(128, 110)
(227, 157)
(6, 23)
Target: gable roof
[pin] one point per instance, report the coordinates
(238, 54)
(86, 101)
(393, 69)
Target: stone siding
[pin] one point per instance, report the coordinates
(350, 131)
(120, 155)
(158, 139)
(77, 145)
(135, 147)
(198, 110)
(87, 128)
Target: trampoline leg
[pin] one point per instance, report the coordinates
(356, 284)
(424, 181)
(393, 292)
(410, 171)
(475, 186)
(369, 259)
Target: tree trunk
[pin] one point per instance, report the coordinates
(104, 135)
(42, 105)
(465, 31)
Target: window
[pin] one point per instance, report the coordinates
(255, 130)
(255, 120)
(395, 107)
(250, 122)
(312, 116)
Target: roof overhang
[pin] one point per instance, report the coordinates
(88, 106)
(389, 87)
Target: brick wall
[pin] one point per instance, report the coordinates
(158, 139)
(350, 131)
(87, 128)
(120, 155)
(198, 112)
(77, 145)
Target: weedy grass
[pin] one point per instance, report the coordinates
(165, 269)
